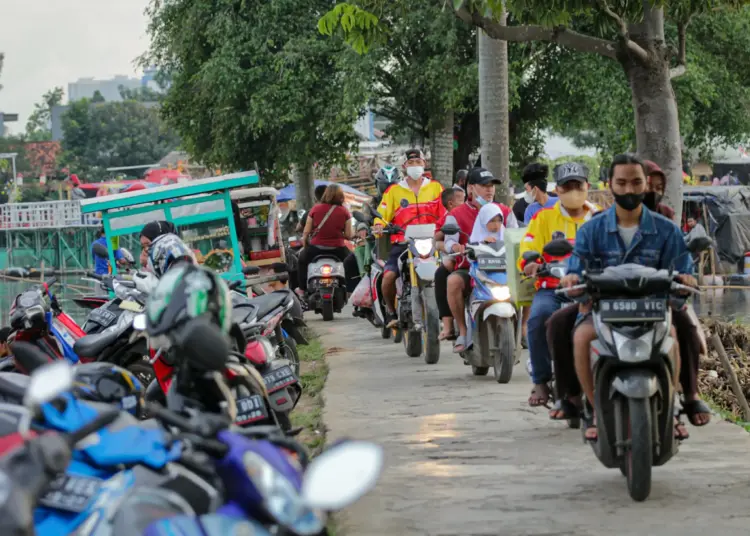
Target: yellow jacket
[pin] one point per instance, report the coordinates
(548, 222)
(428, 191)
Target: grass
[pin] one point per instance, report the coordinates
(309, 411)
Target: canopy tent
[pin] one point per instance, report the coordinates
(289, 192)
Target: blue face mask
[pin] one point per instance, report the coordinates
(481, 201)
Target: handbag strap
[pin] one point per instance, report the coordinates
(322, 222)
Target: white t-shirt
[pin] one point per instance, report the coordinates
(627, 234)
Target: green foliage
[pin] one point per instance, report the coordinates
(98, 97)
(140, 94)
(39, 124)
(113, 134)
(255, 82)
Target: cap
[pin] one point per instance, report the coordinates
(653, 169)
(414, 153)
(479, 175)
(571, 171)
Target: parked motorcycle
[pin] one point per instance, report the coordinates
(632, 367)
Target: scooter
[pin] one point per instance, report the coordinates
(326, 285)
(633, 371)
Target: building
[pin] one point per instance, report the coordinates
(85, 88)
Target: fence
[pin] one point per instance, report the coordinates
(45, 215)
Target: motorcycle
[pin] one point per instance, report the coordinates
(377, 314)
(326, 285)
(489, 311)
(633, 371)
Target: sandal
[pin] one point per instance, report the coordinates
(693, 408)
(540, 395)
(590, 431)
(563, 410)
(448, 335)
(460, 344)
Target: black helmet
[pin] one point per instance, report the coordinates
(187, 292)
(110, 384)
(386, 176)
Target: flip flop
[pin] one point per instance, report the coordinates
(460, 344)
(543, 400)
(692, 408)
(450, 336)
(567, 409)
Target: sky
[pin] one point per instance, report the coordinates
(50, 43)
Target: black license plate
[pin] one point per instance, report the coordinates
(251, 409)
(278, 378)
(491, 264)
(632, 310)
(103, 317)
(71, 493)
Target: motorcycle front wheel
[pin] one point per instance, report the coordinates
(639, 457)
(431, 329)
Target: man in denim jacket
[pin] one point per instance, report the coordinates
(624, 233)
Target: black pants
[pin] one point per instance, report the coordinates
(441, 291)
(351, 269)
(307, 254)
(561, 324)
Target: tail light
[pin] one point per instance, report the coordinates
(326, 269)
(259, 351)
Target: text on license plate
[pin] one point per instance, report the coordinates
(251, 409)
(278, 378)
(492, 263)
(70, 492)
(637, 309)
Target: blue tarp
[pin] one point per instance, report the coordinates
(287, 193)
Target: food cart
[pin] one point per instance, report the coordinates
(260, 211)
(201, 209)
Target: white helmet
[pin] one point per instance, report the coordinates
(165, 251)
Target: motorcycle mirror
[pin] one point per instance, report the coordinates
(357, 215)
(250, 270)
(404, 203)
(100, 250)
(702, 243)
(203, 344)
(342, 475)
(139, 322)
(558, 248)
(47, 383)
(530, 256)
(450, 229)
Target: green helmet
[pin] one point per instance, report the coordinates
(184, 293)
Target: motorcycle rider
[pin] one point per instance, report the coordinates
(562, 220)
(149, 233)
(461, 176)
(481, 191)
(624, 233)
(385, 176)
(535, 185)
(166, 251)
(424, 206)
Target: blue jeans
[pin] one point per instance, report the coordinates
(545, 303)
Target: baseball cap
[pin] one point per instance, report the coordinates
(571, 171)
(414, 153)
(479, 175)
(653, 169)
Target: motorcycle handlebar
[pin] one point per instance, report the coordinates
(212, 446)
(92, 275)
(51, 281)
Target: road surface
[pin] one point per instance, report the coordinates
(467, 456)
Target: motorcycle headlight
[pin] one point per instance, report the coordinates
(634, 350)
(423, 246)
(501, 292)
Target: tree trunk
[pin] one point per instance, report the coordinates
(441, 150)
(493, 107)
(656, 119)
(304, 183)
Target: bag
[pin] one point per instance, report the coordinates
(362, 295)
(320, 225)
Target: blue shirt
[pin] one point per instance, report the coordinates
(536, 206)
(657, 243)
(101, 264)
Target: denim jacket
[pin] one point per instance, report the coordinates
(657, 243)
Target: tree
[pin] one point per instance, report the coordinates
(98, 97)
(39, 124)
(256, 83)
(140, 94)
(631, 33)
(112, 134)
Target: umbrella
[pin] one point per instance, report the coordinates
(289, 192)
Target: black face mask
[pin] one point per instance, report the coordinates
(629, 201)
(652, 200)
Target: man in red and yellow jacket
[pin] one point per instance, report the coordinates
(560, 221)
(414, 200)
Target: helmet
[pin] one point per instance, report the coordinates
(165, 250)
(110, 384)
(185, 293)
(386, 176)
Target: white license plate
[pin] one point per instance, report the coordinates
(251, 409)
(70, 492)
(632, 310)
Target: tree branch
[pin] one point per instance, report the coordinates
(634, 48)
(559, 35)
(681, 66)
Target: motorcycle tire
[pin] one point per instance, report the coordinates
(639, 457)
(503, 353)
(431, 330)
(289, 351)
(413, 342)
(385, 332)
(326, 310)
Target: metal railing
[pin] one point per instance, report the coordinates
(45, 215)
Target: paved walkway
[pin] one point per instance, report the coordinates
(467, 456)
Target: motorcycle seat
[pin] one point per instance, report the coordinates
(268, 302)
(13, 386)
(326, 257)
(93, 345)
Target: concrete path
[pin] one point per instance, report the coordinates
(467, 456)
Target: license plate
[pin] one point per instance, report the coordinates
(327, 282)
(251, 409)
(71, 493)
(492, 263)
(633, 310)
(103, 317)
(279, 378)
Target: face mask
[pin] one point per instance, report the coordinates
(481, 201)
(573, 199)
(528, 197)
(652, 200)
(415, 172)
(629, 201)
